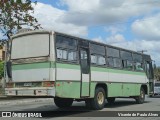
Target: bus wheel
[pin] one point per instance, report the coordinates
(140, 99)
(98, 101)
(111, 100)
(63, 102)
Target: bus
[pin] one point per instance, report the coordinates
(68, 68)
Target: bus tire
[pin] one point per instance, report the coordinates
(98, 102)
(63, 102)
(140, 99)
(111, 100)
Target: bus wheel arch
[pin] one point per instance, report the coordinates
(145, 88)
(104, 86)
(98, 101)
(141, 98)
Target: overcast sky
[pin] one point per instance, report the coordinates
(131, 24)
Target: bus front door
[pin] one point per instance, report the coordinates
(85, 72)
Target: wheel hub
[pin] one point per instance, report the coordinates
(100, 98)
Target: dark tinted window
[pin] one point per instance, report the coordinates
(137, 58)
(98, 59)
(83, 43)
(97, 49)
(127, 64)
(84, 61)
(112, 52)
(114, 62)
(126, 55)
(157, 84)
(110, 62)
(117, 62)
(66, 42)
(64, 54)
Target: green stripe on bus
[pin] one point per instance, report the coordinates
(33, 65)
(69, 66)
(116, 71)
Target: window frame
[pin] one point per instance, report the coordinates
(113, 57)
(97, 55)
(67, 49)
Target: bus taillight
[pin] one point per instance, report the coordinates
(48, 84)
(9, 85)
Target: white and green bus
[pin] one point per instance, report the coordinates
(68, 68)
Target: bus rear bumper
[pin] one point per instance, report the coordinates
(41, 91)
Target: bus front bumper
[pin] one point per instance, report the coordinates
(40, 91)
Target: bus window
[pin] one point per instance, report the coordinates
(138, 66)
(66, 48)
(97, 49)
(125, 55)
(72, 56)
(84, 61)
(110, 61)
(112, 52)
(61, 54)
(117, 62)
(127, 61)
(66, 42)
(93, 59)
(137, 58)
(97, 54)
(127, 64)
(101, 60)
(113, 57)
(98, 60)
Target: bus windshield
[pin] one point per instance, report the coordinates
(35, 45)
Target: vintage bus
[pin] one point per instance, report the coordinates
(69, 68)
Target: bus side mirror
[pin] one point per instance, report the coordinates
(9, 69)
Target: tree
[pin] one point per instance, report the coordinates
(1, 69)
(157, 73)
(15, 14)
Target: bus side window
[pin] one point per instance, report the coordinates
(84, 62)
(101, 60)
(93, 59)
(127, 64)
(113, 57)
(61, 54)
(110, 61)
(97, 54)
(117, 62)
(72, 56)
(138, 66)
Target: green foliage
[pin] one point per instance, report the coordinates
(157, 73)
(1, 69)
(14, 14)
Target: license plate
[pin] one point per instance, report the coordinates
(27, 84)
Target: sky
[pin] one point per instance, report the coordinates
(130, 24)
